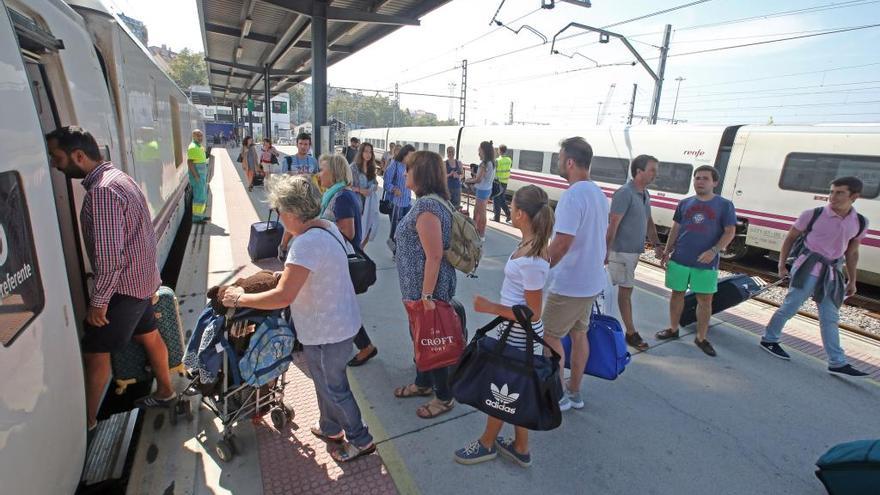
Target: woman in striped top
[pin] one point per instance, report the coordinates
(524, 276)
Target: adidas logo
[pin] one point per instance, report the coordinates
(502, 399)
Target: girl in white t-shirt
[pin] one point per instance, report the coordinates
(524, 276)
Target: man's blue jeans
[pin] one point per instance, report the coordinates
(828, 317)
(339, 411)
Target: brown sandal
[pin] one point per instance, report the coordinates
(636, 341)
(412, 390)
(667, 334)
(434, 408)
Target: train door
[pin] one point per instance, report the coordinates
(42, 404)
(723, 156)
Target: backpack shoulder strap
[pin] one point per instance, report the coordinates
(863, 223)
(440, 200)
(816, 212)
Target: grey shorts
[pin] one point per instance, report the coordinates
(622, 268)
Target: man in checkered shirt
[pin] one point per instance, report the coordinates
(121, 246)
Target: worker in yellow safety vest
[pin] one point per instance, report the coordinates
(502, 175)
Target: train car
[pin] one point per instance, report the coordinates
(377, 137)
(772, 173)
(68, 63)
(776, 172)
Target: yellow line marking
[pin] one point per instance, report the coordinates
(390, 456)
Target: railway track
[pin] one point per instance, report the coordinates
(865, 302)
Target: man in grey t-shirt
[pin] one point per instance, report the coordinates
(628, 223)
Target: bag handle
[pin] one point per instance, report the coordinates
(277, 216)
(524, 317)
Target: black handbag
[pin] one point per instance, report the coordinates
(360, 267)
(386, 205)
(508, 383)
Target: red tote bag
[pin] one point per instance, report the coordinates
(438, 340)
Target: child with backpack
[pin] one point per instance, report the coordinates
(524, 277)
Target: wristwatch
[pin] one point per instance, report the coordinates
(427, 297)
(716, 249)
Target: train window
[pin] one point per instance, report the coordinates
(441, 149)
(813, 173)
(532, 161)
(21, 290)
(176, 130)
(673, 177)
(425, 146)
(607, 169)
(554, 164)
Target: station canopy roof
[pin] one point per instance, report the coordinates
(242, 37)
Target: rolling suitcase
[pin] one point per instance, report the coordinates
(265, 239)
(732, 290)
(131, 365)
(851, 468)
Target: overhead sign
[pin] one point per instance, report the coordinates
(250, 104)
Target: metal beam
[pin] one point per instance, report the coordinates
(319, 71)
(255, 69)
(334, 48)
(306, 7)
(236, 33)
(217, 72)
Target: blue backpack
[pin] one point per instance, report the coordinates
(269, 353)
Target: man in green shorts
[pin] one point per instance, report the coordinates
(703, 226)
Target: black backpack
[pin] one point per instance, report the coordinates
(800, 243)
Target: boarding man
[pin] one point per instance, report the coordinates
(197, 162)
(630, 221)
(577, 261)
(502, 175)
(832, 237)
(702, 227)
(121, 245)
(352, 151)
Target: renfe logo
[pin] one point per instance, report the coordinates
(502, 399)
(694, 153)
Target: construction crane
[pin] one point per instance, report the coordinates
(603, 107)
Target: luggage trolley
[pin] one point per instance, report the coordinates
(230, 394)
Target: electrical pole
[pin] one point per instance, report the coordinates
(677, 88)
(463, 100)
(632, 105)
(599, 113)
(396, 105)
(661, 69)
(510, 119)
(452, 86)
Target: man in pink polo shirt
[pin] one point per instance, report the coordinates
(832, 237)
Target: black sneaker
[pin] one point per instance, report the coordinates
(775, 349)
(847, 370)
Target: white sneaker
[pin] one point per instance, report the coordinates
(565, 403)
(574, 399)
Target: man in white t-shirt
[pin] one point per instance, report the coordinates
(577, 259)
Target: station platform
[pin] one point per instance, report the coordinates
(676, 422)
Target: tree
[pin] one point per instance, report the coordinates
(189, 69)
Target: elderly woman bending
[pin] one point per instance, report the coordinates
(315, 272)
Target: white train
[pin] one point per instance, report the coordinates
(68, 63)
(772, 173)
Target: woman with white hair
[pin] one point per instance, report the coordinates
(315, 272)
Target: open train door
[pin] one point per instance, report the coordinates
(42, 404)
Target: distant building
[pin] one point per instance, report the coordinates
(137, 27)
(163, 56)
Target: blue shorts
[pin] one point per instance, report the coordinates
(483, 194)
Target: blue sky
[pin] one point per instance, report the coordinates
(828, 78)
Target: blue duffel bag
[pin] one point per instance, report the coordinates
(608, 353)
(851, 468)
(265, 238)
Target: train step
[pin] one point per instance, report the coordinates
(107, 453)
